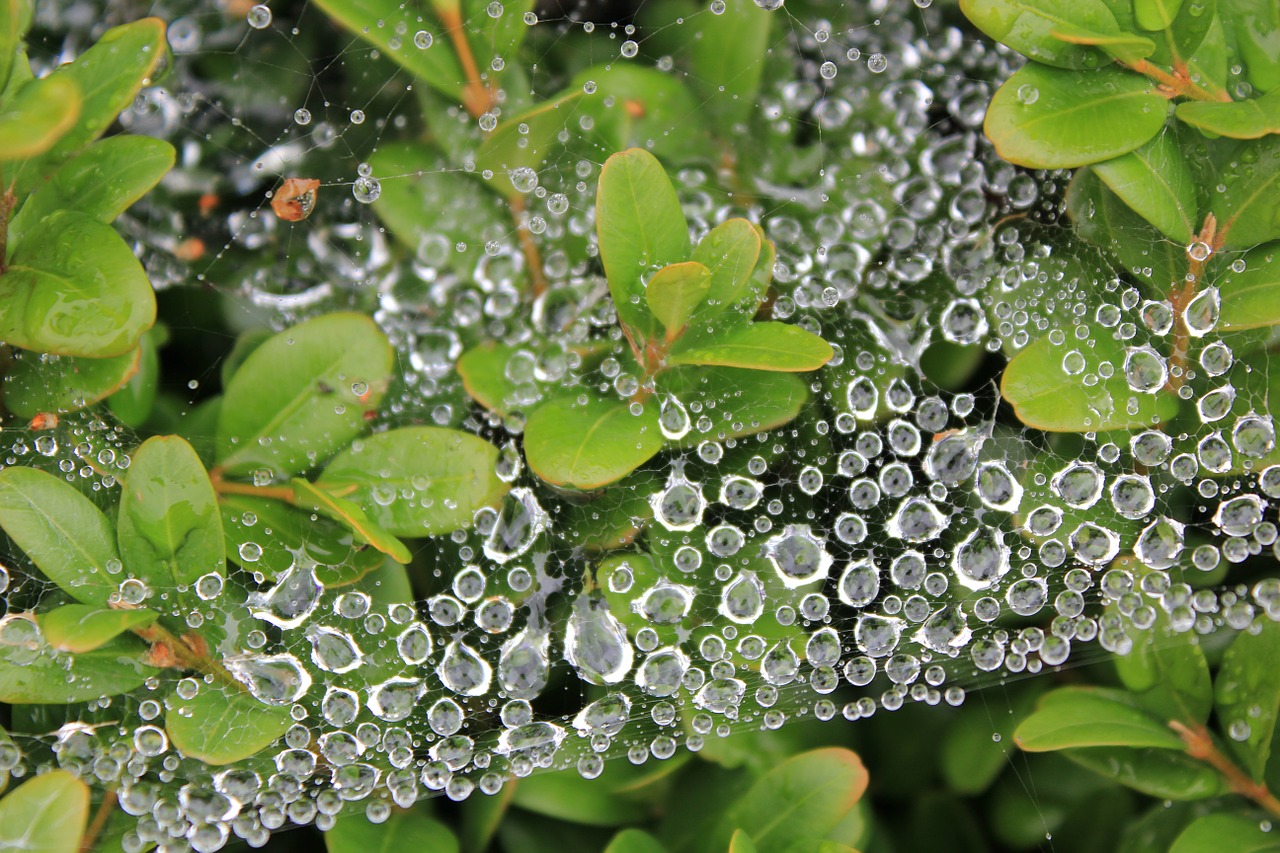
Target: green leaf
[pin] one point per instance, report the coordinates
(1028, 26)
(1104, 220)
(481, 817)
(1155, 14)
(641, 107)
(40, 114)
(799, 800)
(727, 55)
(640, 227)
(498, 37)
(50, 677)
(74, 287)
(612, 519)
(109, 76)
(280, 531)
(732, 251)
(15, 18)
(391, 25)
(1156, 182)
(1215, 833)
(102, 181)
(634, 841)
(674, 292)
(483, 370)
(1254, 28)
(1046, 397)
(38, 383)
(760, 346)
(1251, 298)
(592, 444)
(222, 725)
(528, 141)
(351, 516)
(567, 796)
(1237, 120)
(64, 534)
(46, 814)
(741, 843)
(302, 396)
(81, 628)
(1046, 118)
(1177, 43)
(1160, 773)
(1247, 694)
(418, 481)
(404, 830)
(170, 529)
(1125, 47)
(746, 401)
(1248, 208)
(133, 401)
(1085, 716)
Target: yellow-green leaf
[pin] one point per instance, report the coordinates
(674, 292)
(82, 628)
(37, 117)
(46, 814)
(350, 515)
(760, 346)
(589, 445)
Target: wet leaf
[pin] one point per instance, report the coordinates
(674, 292)
(45, 814)
(500, 37)
(1125, 47)
(760, 346)
(38, 383)
(60, 678)
(75, 288)
(732, 252)
(102, 181)
(615, 517)
(641, 227)
(1155, 14)
(528, 141)
(727, 58)
(641, 107)
(221, 725)
(279, 531)
(404, 830)
(1160, 773)
(418, 481)
(1047, 118)
(1083, 716)
(1238, 120)
(351, 516)
(1104, 220)
(586, 446)
(747, 401)
(1248, 209)
(133, 401)
(1184, 35)
(81, 628)
(40, 114)
(1029, 27)
(483, 371)
(1046, 397)
(302, 396)
(1247, 695)
(1218, 832)
(64, 534)
(1253, 27)
(169, 528)
(1251, 299)
(1155, 181)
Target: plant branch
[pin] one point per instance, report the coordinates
(99, 822)
(7, 203)
(532, 257)
(186, 652)
(1201, 747)
(230, 487)
(1210, 240)
(1177, 83)
(476, 97)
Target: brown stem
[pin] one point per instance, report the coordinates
(7, 203)
(186, 652)
(476, 97)
(99, 823)
(1180, 298)
(1201, 747)
(532, 257)
(231, 487)
(1177, 84)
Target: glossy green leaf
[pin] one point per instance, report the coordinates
(1046, 397)
(40, 114)
(760, 346)
(586, 446)
(799, 800)
(1254, 28)
(742, 843)
(302, 396)
(1207, 65)
(1247, 694)
(15, 17)
(528, 141)
(278, 531)
(64, 534)
(1248, 208)
(1156, 182)
(1190, 25)
(74, 287)
(1107, 222)
(349, 515)
(640, 227)
(1084, 717)
(397, 24)
(567, 796)
(81, 628)
(1155, 14)
(1028, 26)
(1047, 118)
(732, 251)
(109, 76)
(1217, 833)
(1238, 119)
(403, 831)
(222, 725)
(483, 371)
(37, 673)
(1161, 773)
(1251, 298)
(170, 529)
(1125, 47)
(613, 518)
(499, 36)
(746, 401)
(133, 401)
(38, 383)
(45, 814)
(418, 481)
(674, 292)
(102, 181)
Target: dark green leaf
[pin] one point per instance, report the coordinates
(498, 37)
(133, 402)
(1159, 773)
(1254, 27)
(746, 401)
(1237, 119)
(39, 674)
(481, 817)
(592, 444)
(244, 346)
(566, 795)
(404, 830)
(75, 288)
(634, 841)
(221, 725)
(64, 534)
(37, 383)
(41, 113)
(527, 141)
(351, 516)
(418, 481)
(1247, 695)
(1188, 29)
(81, 628)
(1248, 209)
(1155, 181)
(1046, 118)
(1028, 26)
(674, 292)
(641, 227)
(1251, 298)
(1104, 220)
(170, 529)
(278, 531)
(612, 519)
(1082, 717)
(45, 814)
(760, 346)
(1217, 833)
(302, 396)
